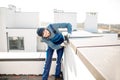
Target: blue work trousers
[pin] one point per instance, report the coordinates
(49, 61)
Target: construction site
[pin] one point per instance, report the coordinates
(93, 52)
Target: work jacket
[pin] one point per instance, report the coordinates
(54, 29)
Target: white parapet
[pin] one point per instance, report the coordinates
(24, 63)
(74, 68)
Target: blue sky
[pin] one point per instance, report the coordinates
(108, 10)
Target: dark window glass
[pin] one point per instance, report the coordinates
(16, 43)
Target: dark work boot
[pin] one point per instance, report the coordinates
(66, 38)
(59, 78)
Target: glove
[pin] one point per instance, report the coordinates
(68, 35)
(62, 45)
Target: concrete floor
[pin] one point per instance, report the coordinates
(22, 77)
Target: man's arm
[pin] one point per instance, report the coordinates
(51, 44)
(63, 25)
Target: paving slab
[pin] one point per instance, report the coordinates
(24, 77)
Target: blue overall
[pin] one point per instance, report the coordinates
(57, 39)
(53, 42)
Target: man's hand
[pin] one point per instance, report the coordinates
(67, 38)
(63, 45)
(68, 35)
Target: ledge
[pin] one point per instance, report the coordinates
(100, 55)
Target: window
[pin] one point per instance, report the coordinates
(16, 43)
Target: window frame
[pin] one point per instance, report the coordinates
(20, 38)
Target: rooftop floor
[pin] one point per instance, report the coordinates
(24, 77)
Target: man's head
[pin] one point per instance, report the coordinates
(43, 32)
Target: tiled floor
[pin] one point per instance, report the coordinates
(22, 77)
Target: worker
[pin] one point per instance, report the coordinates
(54, 39)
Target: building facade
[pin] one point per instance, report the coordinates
(18, 30)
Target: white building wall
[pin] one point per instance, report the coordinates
(34, 67)
(30, 38)
(76, 71)
(110, 36)
(20, 24)
(70, 17)
(3, 21)
(90, 23)
(17, 19)
(10, 18)
(27, 19)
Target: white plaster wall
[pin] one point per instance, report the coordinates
(110, 36)
(27, 19)
(10, 18)
(30, 38)
(70, 17)
(3, 21)
(41, 46)
(21, 67)
(24, 67)
(73, 67)
(90, 23)
(19, 19)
